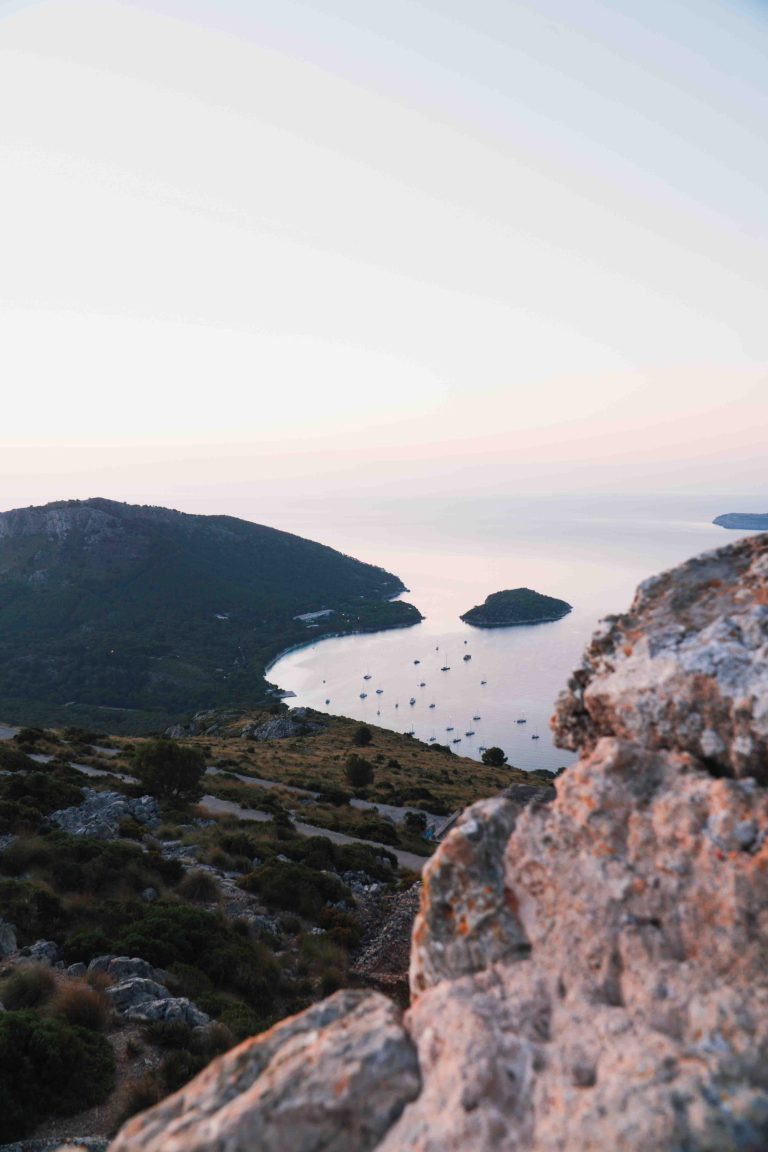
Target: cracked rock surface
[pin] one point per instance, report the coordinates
(587, 975)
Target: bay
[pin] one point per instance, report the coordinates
(451, 553)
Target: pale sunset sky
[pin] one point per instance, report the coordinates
(487, 244)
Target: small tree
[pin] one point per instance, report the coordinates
(359, 771)
(362, 736)
(416, 822)
(494, 757)
(170, 771)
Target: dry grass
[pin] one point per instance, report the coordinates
(30, 986)
(78, 1003)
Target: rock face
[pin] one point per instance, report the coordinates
(101, 814)
(587, 974)
(686, 668)
(333, 1078)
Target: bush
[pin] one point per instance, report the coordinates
(138, 1095)
(81, 947)
(362, 736)
(48, 1068)
(416, 822)
(33, 908)
(179, 1067)
(199, 887)
(13, 759)
(29, 986)
(294, 887)
(78, 1003)
(170, 1034)
(170, 771)
(358, 771)
(494, 757)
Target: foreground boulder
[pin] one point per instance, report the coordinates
(686, 668)
(333, 1078)
(587, 975)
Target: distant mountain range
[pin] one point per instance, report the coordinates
(745, 521)
(126, 617)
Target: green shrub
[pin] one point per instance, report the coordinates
(180, 1067)
(170, 771)
(14, 759)
(358, 771)
(362, 736)
(199, 887)
(168, 1034)
(377, 862)
(48, 1068)
(83, 946)
(33, 908)
(29, 986)
(294, 887)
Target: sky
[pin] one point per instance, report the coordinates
(418, 245)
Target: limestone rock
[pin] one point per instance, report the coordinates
(640, 1018)
(135, 991)
(294, 724)
(101, 814)
(333, 1078)
(172, 1009)
(123, 967)
(44, 951)
(467, 918)
(8, 943)
(686, 669)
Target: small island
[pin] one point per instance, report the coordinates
(516, 606)
(743, 521)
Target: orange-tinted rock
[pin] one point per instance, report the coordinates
(686, 669)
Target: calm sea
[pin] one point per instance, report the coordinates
(451, 554)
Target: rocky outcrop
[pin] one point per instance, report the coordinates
(101, 814)
(8, 943)
(587, 974)
(333, 1078)
(686, 669)
(296, 723)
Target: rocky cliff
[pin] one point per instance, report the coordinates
(588, 974)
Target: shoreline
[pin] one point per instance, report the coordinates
(516, 623)
(333, 636)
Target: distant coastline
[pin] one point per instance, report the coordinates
(743, 521)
